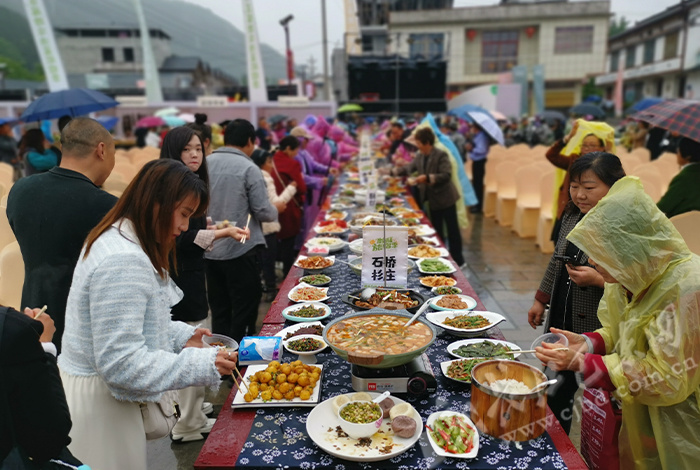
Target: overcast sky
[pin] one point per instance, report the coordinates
(305, 29)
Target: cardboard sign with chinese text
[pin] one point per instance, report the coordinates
(385, 257)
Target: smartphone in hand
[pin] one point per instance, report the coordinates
(568, 260)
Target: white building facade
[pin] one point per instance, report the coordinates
(568, 39)
(658, 56)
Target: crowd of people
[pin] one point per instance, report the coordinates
(128, 280)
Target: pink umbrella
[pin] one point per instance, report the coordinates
(150, 121)
(498, 116)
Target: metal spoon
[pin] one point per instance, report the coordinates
(417, 314)
(539, 387)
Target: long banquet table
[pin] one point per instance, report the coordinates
(276, 437)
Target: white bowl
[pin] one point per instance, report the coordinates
(359, 430)
(356, 246)
(307, 357)
(229, 343)
(437, 319)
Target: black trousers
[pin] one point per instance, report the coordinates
(268, 256)
(448, 216)
(560, 396)
(234, 292)
(478, 172)
(286, 253)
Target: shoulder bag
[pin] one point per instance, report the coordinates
(160, 417)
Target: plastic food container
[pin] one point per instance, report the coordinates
(550, 338)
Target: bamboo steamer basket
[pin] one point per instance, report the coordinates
(512, 417)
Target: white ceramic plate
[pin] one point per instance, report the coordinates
(424, 230)
(315, 270)
(288, 312)
(296, 288)
(441, 250)
(332, 243)
(239, 402)
(320, 230)
(447, 263)
(291, 329)
(305, 353)
(443, 453)
(446, 364)
(356, 246)
(339, 206)
(454, 282)
(471, 303)
(343, 214)
(463, 342)
(437, 319)
(323, 420)
(434, 290)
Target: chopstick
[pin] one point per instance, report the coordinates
(43, 309)
(532, 351)
(246, 227)
(235, 369)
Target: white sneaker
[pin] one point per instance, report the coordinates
(207, 408)
(196, 435)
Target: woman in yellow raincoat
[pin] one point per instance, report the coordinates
(648, 350)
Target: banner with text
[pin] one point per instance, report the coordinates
(46, 45)
(257, 87)
(385, 257)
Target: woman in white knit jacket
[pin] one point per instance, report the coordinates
(120, 345)
(263, 159)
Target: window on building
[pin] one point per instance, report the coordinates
(107, 54)
(499, 51)
(630, 56)
(671, 46)
(649, 51)
(573, 40)
(427, 46)
(128, 54)
(614, 61)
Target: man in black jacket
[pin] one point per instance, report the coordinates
(32, 402)
(51, 214)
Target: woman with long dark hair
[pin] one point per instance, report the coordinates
(571, 286)
(185, 145)
(36, 153)
(121, 346)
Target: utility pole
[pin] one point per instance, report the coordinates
(326, 81)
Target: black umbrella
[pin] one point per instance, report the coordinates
(583, 109)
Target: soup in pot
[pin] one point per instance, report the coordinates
(379, 334)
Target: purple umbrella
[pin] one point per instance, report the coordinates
(150, 121)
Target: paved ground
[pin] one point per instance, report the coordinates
(505, 271)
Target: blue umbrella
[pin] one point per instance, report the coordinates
(463, 111)
(107, 121)
(8, 120)
(645, 103)
(73, 102)
(173, 121)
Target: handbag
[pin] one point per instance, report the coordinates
(601, 419)
(160, 417)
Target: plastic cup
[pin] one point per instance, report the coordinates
(551, 338)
